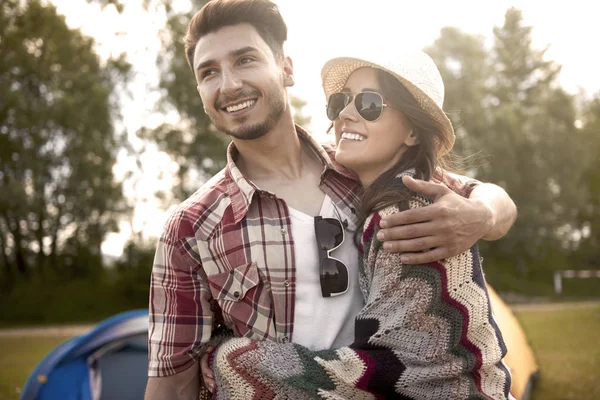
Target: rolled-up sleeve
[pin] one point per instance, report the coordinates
(180, 315)
(459, 184)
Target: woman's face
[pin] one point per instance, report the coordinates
(370, 148)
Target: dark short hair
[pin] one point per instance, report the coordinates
(263, 15)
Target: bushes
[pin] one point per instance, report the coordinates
(44, 301)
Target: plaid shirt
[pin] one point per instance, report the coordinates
(226, 256)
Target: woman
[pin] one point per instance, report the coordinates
(425, 332)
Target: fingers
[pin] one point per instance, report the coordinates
(207, 375)
(209, 383)
(412, 216)
(410, 245)
(411, 231)
(433, 255)
(426, 188)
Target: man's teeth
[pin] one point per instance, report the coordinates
(240, 106)
(353, 136)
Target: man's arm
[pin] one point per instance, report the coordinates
(503, 210)
(449, 226)
(180, 317)
(182, 386)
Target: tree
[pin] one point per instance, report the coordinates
(465, 67)
(590, 212)
(510, 106)
(57, 143)
(534, 127)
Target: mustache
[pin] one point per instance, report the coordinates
(225, 99)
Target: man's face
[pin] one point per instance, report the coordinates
(241, 83)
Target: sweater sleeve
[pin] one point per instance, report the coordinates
(426, 332)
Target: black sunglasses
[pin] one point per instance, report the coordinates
(334, 273)
(368, 104)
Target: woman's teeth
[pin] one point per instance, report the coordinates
(353, 136)
(240, 106)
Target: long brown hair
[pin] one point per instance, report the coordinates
(387, 190)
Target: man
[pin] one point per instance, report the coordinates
(242, 251)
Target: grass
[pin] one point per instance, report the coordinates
(564, 339)
(566, 343)
(18, 358)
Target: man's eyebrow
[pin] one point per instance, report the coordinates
(243, 50)
(205, 64)
(234, 53)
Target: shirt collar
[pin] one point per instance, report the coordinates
(241, 190)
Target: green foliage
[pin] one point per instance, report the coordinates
(57, 142)
(505, 103)
(589, 214)
(54, 300)
(132, 283)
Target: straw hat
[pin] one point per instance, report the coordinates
(415, 70)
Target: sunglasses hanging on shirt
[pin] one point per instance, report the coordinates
(333, 272)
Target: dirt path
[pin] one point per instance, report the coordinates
(554, 306)
(62, 330)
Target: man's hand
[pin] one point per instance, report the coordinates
(449, 226)
(207, 374)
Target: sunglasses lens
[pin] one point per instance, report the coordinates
(334, 277)
(329, 232)
(369, 105)
(337, 102)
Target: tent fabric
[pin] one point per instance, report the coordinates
(66, 372)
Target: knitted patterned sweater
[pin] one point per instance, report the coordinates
(425, 332)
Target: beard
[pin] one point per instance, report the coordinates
(276, 106)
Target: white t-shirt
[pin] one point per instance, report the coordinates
(323, 322)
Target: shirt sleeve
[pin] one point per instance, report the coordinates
(180, 315)
(459, 184)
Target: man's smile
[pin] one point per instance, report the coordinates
(239, 106)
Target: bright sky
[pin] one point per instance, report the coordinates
(319, 30)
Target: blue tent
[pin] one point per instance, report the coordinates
(109, 362)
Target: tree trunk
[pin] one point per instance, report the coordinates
(20, 259)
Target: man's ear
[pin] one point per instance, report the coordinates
(288, 72)
(412, 139)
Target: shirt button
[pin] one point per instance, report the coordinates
(284, 339)
(236, 294)
(286, 283)
(283, 231)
